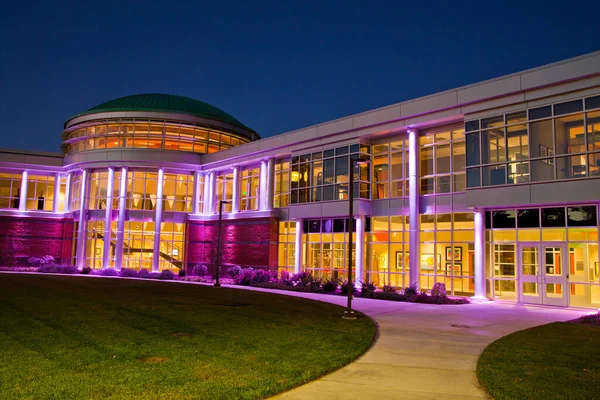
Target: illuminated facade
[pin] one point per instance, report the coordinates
(490, 188)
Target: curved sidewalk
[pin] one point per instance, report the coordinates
(422, 351)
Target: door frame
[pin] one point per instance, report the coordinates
(541, 279)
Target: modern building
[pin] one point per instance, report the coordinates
(491, 188)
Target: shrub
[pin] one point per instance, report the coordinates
(344, 287)
(200, 270)
(439, 289)
(411, 290)
(144, 273)
(234, 271)
(58, 269)
(389, 288)
(285, 277)
(128, 273)
(389, 295)
(244, 277)
(166, 275)
(181, 273)
(106, 272)
(367, 289)
(305, 279)
(260, 276)
(86, 270)
(283, 286)
(329, 285)
(39, 261)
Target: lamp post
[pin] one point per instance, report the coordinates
(218, 262)
(348, 313)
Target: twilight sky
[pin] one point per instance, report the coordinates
(274, 65)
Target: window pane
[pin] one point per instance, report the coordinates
(541, 139)
(427, 186)
(458, 157)
(553, 217)
(592, 102)
(518, 172)
(494, 175)
(427, 161)
(529, 218)
(540, 112)
(542, 170)
(503, 219)
(570, 136)
(571, 167)
(493, 146)
(471, 125)
(568, 107)
(442, 159)
(472, 144)
(517, 142)
(473, 177)
(582, 216)
(593, 130)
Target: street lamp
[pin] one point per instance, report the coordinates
(221, 202)
(348, 313)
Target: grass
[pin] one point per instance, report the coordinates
(554, 361)
(86, 338)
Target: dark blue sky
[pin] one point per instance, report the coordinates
(274, 65)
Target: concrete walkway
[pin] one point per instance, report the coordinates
(419, 354)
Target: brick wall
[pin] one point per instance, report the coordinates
(28, 237)
(244, 242)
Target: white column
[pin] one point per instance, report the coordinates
(298, 244)
(57, 177)
(479, 254)
(205, 193)
(413, 201)
(121, 220)
(197, 193)
(270, 183)
(262, 191)
(23, 192)
(68, 193)
(360, 250)
(81, 234)
(212, 196)
(235, 201)
(108, 217)
(157, 220)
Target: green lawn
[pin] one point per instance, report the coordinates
(554, 361)
(77, 337)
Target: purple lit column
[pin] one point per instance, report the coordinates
(108, 218)
(235, 200)
(270, 183)
(205, 193)
(263, 186)
(413, 201)
(298, 246)
(197, 193)
(479, 254)
(81, 234)
(210, 203)
(360, 250)
(23, 192)
(57, 177)
(158, 220)
(121, 220)
(68, 193)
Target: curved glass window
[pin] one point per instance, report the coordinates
(149, 135)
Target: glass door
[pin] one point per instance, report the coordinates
(542, 274)
(529, 273)
(554, 274)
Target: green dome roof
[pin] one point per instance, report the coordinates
(165, 103)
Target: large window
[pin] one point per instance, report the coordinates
(249, 189)
(149, 135)
(75, 191)
(141, 190)
(325, 253)
(387, 255)
(172, 246)
(324, 175)
(287, 245)
(442, 161)
(40, 192)
(138, 246)
(559, 141)
(10, 189)
(178, 191)
(282, 184)
(389, 176)
(224, 191)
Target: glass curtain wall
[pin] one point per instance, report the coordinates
(224, 191)
(324, 175)
(576, 226)
(325, 251)
(554, 142)
(387, 251)
(442, 161)
(447, 252)
(172, 245)
(178, 192)
(150, 135)
(40, 192)
(141, 190)
(138, 245)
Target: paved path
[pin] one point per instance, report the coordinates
(419, 354)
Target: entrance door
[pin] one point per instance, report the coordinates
(542, 274)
